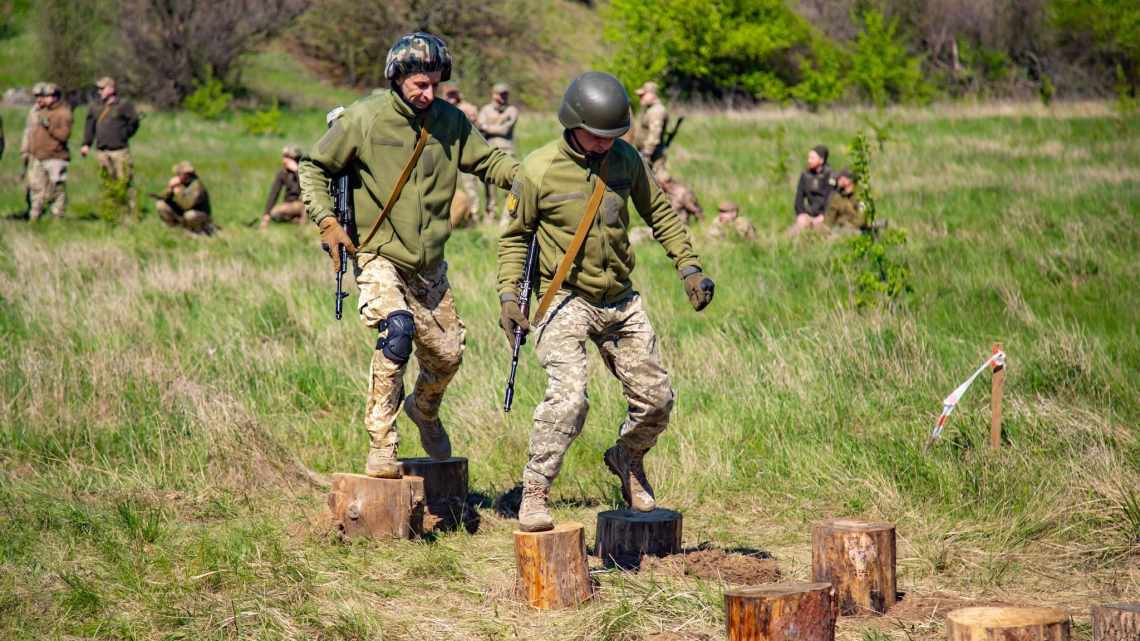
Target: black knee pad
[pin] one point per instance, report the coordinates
(396, 334)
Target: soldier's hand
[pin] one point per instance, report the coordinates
(510, 318)
(83, 150)
(700, 290)
(333, 238)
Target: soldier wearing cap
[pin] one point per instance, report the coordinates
(291, 209)
(110, 124)
(651, 126)
(730, 222)
(681, 198)
(186, 203)
(496, 121)
(465, 204)
(405, 295)
(46, 146)
(844, 214)
(812, 191)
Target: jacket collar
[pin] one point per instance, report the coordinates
(406, 110)
(582, 160)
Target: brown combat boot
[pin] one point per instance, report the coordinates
(432, 435)
(534, 516)
(628, 467)
(382, 463)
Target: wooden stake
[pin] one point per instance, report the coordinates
(781, 612)
(996, 385)
(623, 536)
(1007, 624)
(552, 569)
(1116, 622)
(858, 558)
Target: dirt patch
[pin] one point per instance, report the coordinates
(920, 607)
(746, 568)
(677, 636)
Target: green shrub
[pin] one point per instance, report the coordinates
(114, 196)
(823, 82)
(882, 68)
(263, 122)
(1125, 94)
(1046, 90)
(210, 99)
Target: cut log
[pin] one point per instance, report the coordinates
(624, 536)
(1116, 622)
(362, 506)
(1007, 624)
(552, 570)
(445, 493)
(858, 558)
(781, 612)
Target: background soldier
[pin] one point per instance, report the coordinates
(465, 205)
(813, 191)
(400, 270)
(844, 213)
(597, 301)
(681, 198)
(47, 149)
(110, 124)
(497, 120)
(651, 126)
(291, 210)
(729, 221)
(1, 137)
(185, 203)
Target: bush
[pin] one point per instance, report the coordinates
(823, 82)
(264, 122)
(882, 68)
(210, 100)
(70, 38)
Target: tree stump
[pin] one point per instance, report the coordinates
(377, 508)
(1007, 624)
(1116, 622)
(625, 535)
(858, 558)
(781, 612)
(552, 570)
(445, 493)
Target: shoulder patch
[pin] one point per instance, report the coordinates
(513, 196)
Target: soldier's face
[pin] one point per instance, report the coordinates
(500, 98)
(590, 143)
(814, 161)
(106, 91)
(419, 88)
(844, 184)
(185, 178)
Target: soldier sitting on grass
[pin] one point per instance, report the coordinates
(185, 203)
(729, 222)
(812, 192)
(290, 210)
(844, 214)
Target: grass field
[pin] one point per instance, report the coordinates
(163, 395)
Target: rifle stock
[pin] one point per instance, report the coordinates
(520, 334)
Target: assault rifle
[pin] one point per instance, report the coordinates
(524, 304)
(341, 192)
(667, 139)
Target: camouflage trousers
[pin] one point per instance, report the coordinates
(47, 187)
(439, 340)
(120, 167)
(628, 346)
(198, 222)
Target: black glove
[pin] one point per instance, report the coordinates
(511, 317)
(700, 290)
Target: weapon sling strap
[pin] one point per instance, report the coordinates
(421, 140)
(576, 243)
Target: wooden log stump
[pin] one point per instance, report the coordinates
(624, 536)
(858, 558)
(445, 493)
(552, 570)
(377, 508)
(1116, 622)
(1007, 624)
(781, 612)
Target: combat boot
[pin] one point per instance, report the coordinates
(534, 516)
(382, 463)
(628, 467)
(432, 435)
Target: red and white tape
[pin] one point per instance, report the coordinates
(951, 401)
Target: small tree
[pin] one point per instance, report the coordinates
(882, 68)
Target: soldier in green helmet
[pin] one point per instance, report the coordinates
(588, 168)
(400, 268)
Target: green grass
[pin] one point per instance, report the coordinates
(163, 395)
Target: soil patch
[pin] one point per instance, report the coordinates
(727, 566)
(676, 636)
(920, 607)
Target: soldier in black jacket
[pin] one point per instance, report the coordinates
(291, 210)
(110, 124)
(812, 192)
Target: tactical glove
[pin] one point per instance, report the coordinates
(510, 317)
(333, 238)
(700, 290)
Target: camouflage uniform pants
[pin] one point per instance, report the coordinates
(288, 212)
(439, 340)
(193, 220)
(489, 190)
(47, 186)
(628, 346)
(120, 167)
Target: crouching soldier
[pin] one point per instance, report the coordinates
(291, 209)
(185, 203)
(403, 149)
(844, 214)
(578, 187)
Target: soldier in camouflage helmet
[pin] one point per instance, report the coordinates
(729, 222)
(46, 147)
(185, 203)
(597, 302)
(651, 125)
(291, 209)
(400, 270)
(497, 120)
(681, 198)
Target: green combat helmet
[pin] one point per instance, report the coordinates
(596, 102)
(418, 52)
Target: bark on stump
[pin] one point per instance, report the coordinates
(552, 570)
(781, 612)
(1007, 624)
(625, 535)
(445, 493)
(858, 558)
(362, 506)
(1116, 622)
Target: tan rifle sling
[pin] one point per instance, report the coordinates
(421, 140)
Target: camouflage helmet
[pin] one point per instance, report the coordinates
(49, 89)
(418, 52)
(183, 167)
(596, 102)
(292, 151)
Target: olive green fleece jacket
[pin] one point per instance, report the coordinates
(374, 138)
(549, 198)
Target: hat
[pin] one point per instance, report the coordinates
(105, 81)
(501, 87)
(38, 89)
(183, 167)
(848, 174)
(48, 89)
(727, 205)
(648, 87)
(821, 151)
(292, 151)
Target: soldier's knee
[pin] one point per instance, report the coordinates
(397, 333)
(659, 401)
